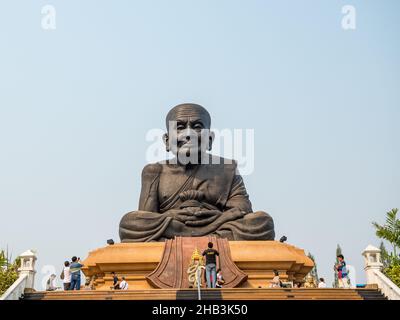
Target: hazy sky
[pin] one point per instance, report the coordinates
(76, 104)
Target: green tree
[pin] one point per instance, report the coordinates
(3, 259)
(385, 256)
(390, 231)
(314, 271)
(335, 283)
(8, 271)
(393, 273)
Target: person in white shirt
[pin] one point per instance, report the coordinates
(66, 276)
(276, 282)
(123, 284)
(321, 283)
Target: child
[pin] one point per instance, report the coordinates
(220, 279)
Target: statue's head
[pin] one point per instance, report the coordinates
(188, 132)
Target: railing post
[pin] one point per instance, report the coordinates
(28, 261)
(372, 261)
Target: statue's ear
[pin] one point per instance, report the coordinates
(211, 138)
(166, 141)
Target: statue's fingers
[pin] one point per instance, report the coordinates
(190, 223)
(191, 218)
(185, 213)
(180, 219)
(208, 213)
(199, 223)
(202, 214)
(212, 219)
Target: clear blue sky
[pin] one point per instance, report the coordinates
(76, 103)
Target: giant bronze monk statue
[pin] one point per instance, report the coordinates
(195, 193)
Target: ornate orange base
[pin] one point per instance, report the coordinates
(256, 259)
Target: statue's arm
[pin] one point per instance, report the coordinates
(236, 206)
(149, 193)
(238, 197)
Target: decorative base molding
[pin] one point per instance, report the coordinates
(138, 261)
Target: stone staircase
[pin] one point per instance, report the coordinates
(212, 294)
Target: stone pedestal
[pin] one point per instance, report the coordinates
(138, 261)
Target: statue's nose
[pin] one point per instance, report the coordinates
(188, 134)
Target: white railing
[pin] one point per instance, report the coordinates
(388, 288)
(17, 289)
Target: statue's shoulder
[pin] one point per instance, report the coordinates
(229, 166)
(223, 161)
(152, 168)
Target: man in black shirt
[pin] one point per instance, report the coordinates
(115, 281)
(211, 265)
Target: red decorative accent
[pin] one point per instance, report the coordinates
(171, 272)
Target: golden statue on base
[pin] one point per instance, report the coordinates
(195, 269)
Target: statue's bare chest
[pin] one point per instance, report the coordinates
(171, 180)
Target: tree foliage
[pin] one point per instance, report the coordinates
(393, 272)
(390, 232)
(385, 256)
(314, 270)
(8, 271)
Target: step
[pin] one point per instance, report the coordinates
(213, 294)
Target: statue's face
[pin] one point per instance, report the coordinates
(188, 133)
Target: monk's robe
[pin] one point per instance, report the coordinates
(166, 187)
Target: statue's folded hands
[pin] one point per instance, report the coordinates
(218, 221)
(181, 215)
(203, 218)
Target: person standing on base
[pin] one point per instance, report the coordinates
(75, 270)
(66, 276)
(211, 265)
(115, 281)
(343, 279)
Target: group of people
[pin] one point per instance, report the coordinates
(277, 283)
(71, 278)
(117, 285)
(70, 275)
(340, 268)
(215, 280)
